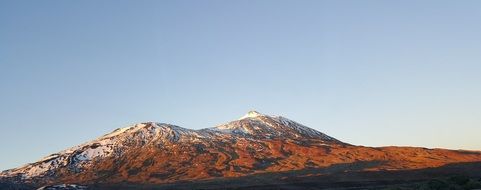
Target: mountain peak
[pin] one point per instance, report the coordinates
(160, 153)
(257, 125)
(251, 114)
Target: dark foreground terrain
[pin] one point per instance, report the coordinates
(452, 176)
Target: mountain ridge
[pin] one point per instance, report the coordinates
(159, 153)
(174, 133)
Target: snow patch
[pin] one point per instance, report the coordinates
(92, 153)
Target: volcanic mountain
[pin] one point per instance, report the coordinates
(158, 154)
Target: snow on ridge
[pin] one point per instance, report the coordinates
(117, 132)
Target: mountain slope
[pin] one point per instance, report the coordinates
(157, 153)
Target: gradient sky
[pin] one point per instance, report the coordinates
(366, 72)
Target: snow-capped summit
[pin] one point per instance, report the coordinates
(251, 114)
(255, 124)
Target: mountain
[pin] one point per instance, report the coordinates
(157, 154)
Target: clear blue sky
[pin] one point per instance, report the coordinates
(366, 72)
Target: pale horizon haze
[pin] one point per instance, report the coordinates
(372, 73)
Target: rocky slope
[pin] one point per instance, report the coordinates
(157, 153)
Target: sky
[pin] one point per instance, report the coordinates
(373, 73)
